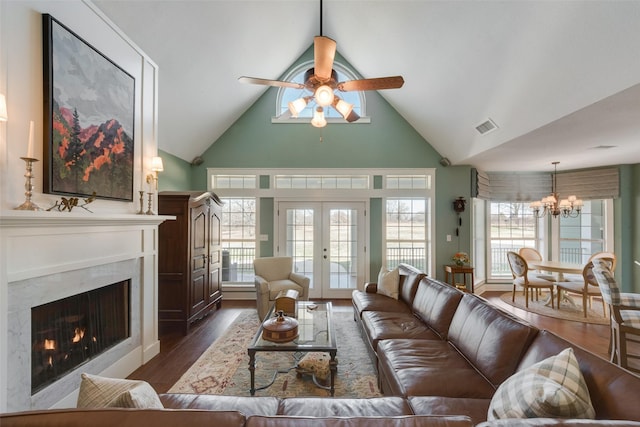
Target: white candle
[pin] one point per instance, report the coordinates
(30, 146)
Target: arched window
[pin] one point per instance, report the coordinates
(286, 95)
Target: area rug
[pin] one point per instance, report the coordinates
(566, 310)
(223, 368)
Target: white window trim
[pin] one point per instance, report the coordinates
(429, 194)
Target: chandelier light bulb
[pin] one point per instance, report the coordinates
(318, 118)
(568, 208)
(295, 107)
(324, 96)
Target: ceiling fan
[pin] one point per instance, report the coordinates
(321, 81)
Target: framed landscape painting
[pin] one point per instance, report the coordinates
(88, 117)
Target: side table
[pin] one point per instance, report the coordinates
(450, 272)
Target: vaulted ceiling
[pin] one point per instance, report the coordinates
(561, 79)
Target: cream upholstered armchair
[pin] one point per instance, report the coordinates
(275, 274)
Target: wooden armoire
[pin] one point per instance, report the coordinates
(189, 258)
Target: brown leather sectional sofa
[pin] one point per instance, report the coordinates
(447, 352)
(440, 355)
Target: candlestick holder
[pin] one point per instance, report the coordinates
(141, 211)
(150, 210)
(28, 205)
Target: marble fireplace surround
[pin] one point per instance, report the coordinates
(48, 256)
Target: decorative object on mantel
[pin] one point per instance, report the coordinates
(553, 206)
(65, 204)
(28, 205)
(141, 211)
(150, 208)
(460, 258)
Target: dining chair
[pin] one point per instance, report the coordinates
(520, 272)
(587, 287)
(532, 254)
(624, 317)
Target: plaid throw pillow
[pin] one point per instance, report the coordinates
(102, 392)
(553, 388)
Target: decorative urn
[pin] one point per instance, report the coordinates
(280, 328)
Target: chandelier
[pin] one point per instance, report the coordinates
(553, 206)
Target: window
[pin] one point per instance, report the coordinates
(238, 239)
(584, 235)
(511, 227)
(287, 94)
(406, 237)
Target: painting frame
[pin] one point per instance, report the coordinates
(89, 118)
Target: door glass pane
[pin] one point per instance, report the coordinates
(343, 243)
(299, 240)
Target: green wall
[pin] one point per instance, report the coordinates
(176, 175)
(387, 142)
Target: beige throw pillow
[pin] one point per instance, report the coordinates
(551, 388)
(102, 392)
(389, 282)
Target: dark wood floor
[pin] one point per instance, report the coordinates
(178, 353)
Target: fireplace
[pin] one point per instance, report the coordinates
(68, 332)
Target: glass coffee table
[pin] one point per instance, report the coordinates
(315, 333)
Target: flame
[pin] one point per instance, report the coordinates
(49, 344)
(50, 361)
(79, 334)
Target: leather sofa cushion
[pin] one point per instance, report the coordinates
(435, 303)
(492, 340)
(409, 279)
(262, 405)
(608, 384)
(415, 367)
(401, 421)
(121, 417)
(540, 422)
(387, 325)
(476, 409)
(323, 407)
(363, 301)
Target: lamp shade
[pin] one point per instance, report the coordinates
(324, 96)
(297, 106)
(156, 164)
(3, 108)
(318, 118)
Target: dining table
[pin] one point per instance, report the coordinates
(560, 268)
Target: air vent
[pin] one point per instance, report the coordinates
(486, 127)
(604, 147)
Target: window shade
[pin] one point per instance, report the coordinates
(510, 186)
(589, 184)
(529, 186)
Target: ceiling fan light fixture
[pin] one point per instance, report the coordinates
(324, 96)
(343, 107)
(318, 118)
(296, 106)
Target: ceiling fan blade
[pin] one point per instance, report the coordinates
(324, 51)
(394, 82)
(265, 82)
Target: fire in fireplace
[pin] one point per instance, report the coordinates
(67, 333)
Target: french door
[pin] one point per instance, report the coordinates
(327, 243)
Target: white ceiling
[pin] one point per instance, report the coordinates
(559, 78)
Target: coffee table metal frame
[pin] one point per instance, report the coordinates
(315, 333)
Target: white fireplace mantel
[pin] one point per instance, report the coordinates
(50, 255)
(31, 219)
